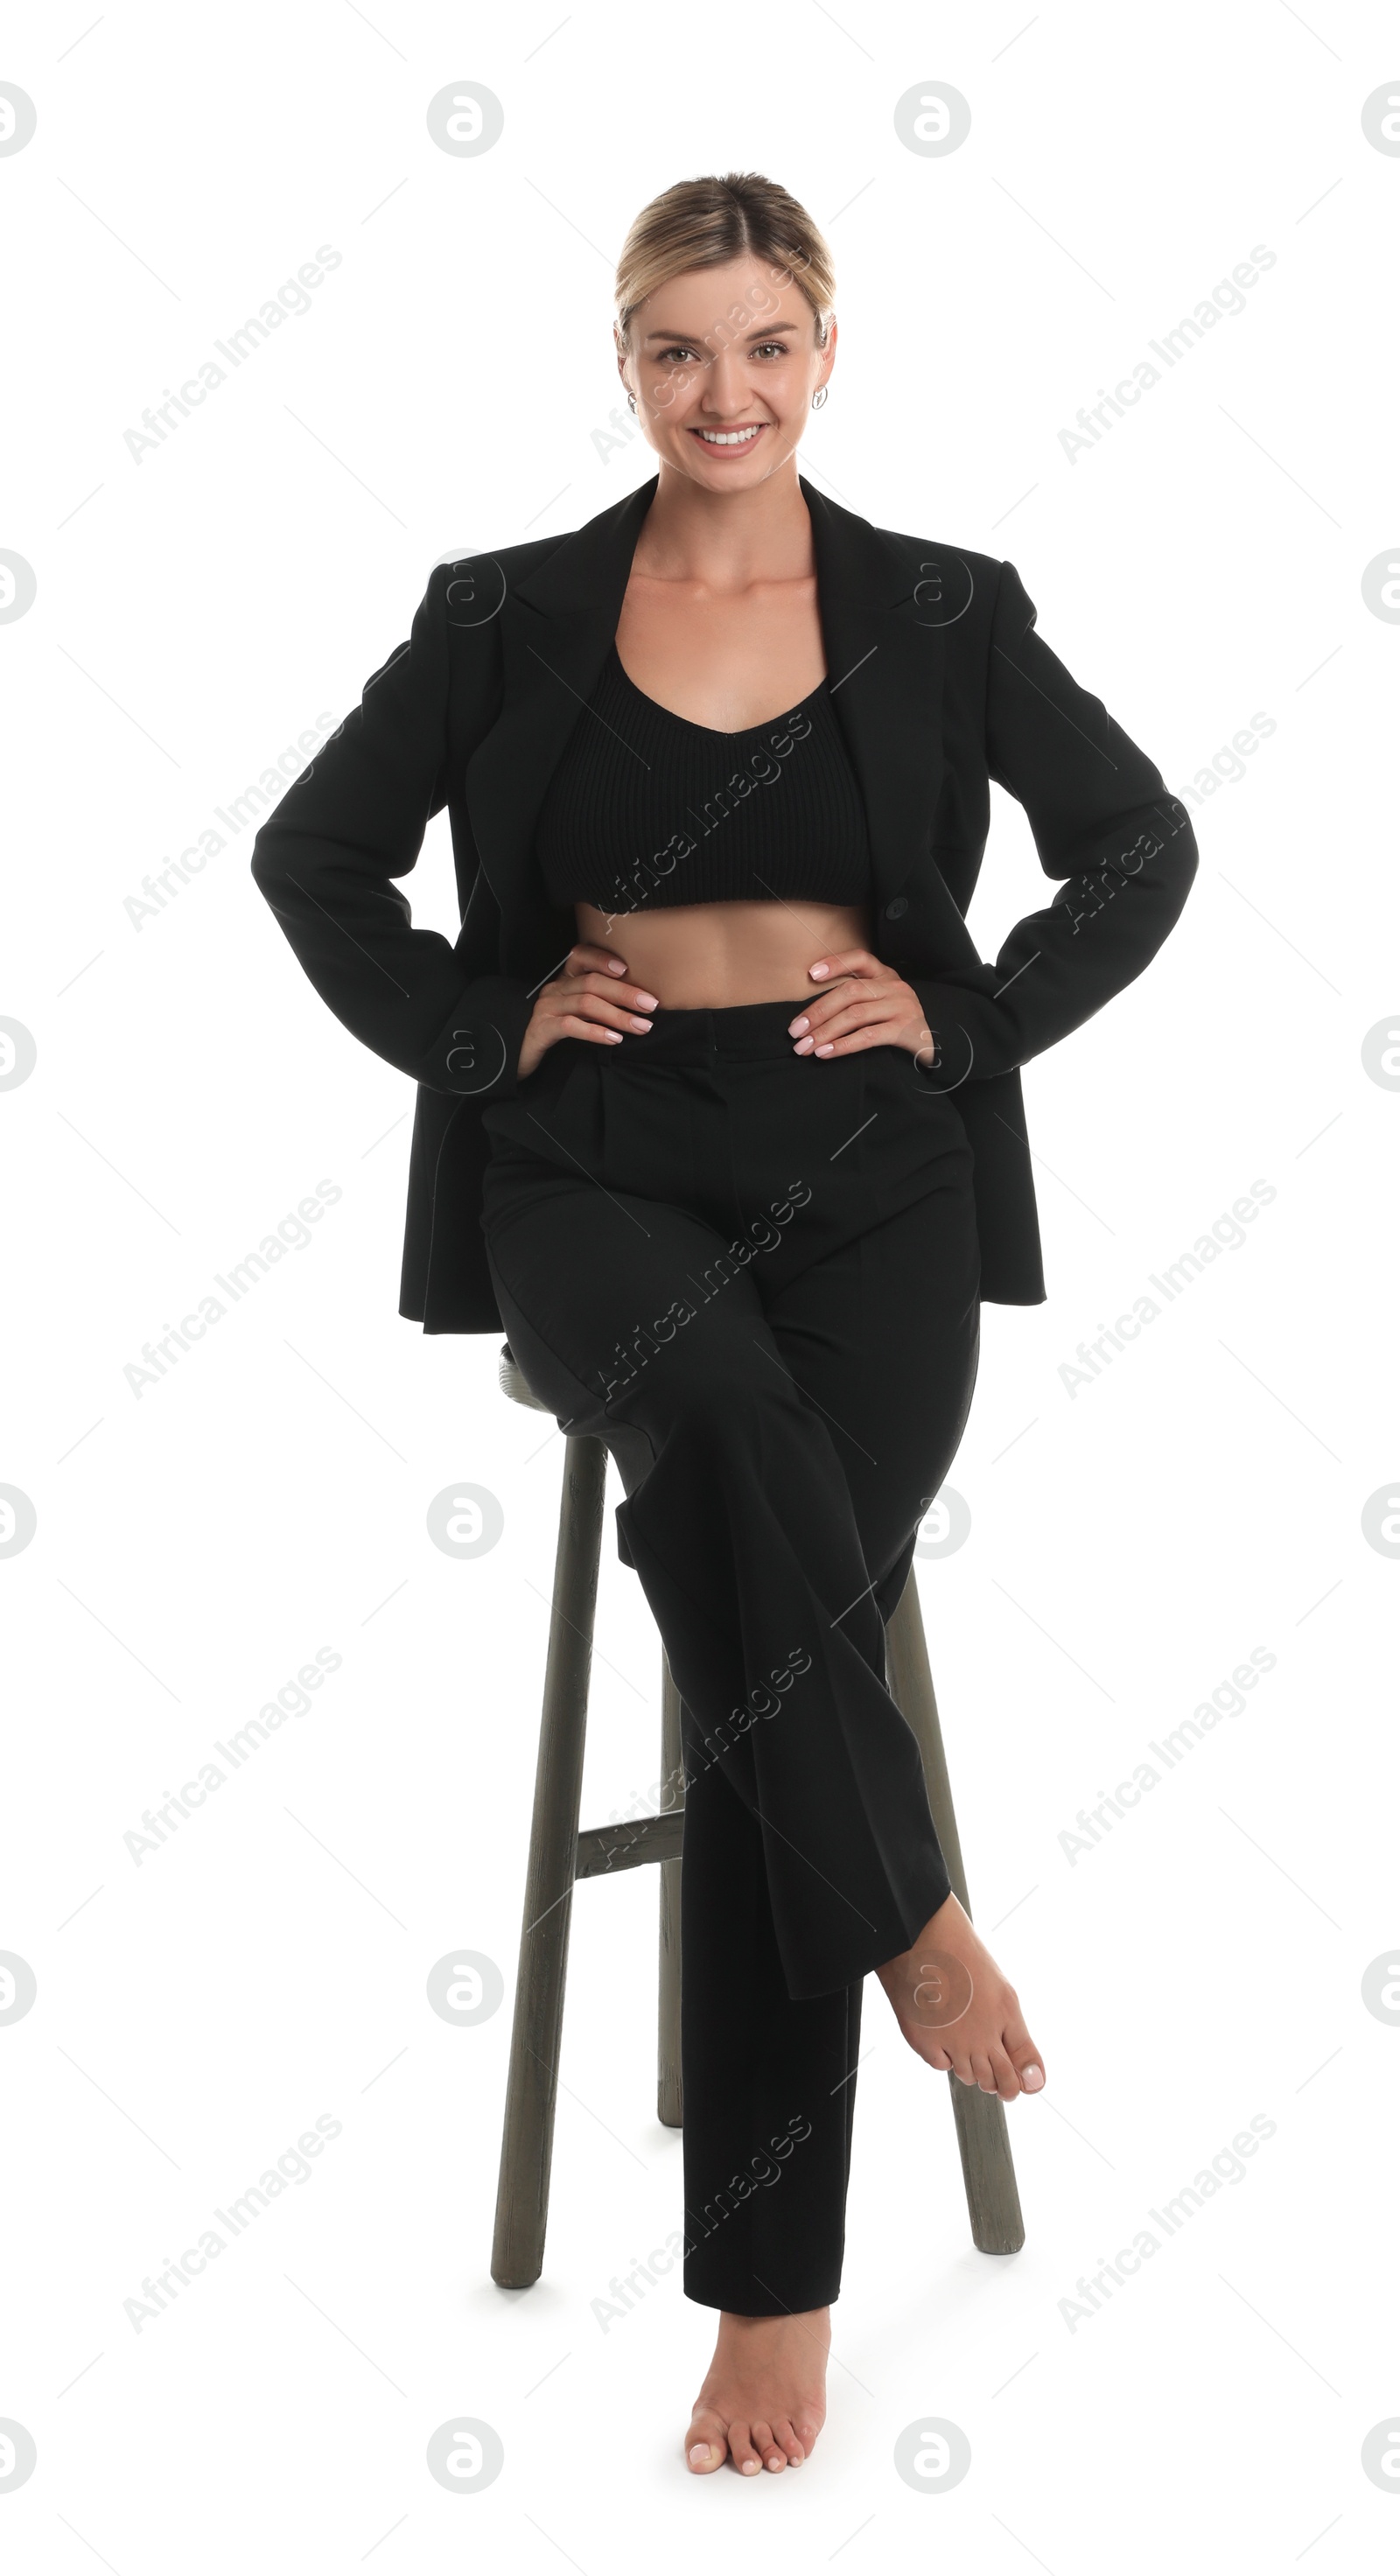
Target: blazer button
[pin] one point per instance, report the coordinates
(896, 911)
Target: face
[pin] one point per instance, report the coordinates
(723, 363)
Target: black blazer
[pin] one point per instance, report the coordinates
(940, 682)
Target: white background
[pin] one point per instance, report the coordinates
(1131, 1543)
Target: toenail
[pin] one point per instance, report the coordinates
(701, 2451)
(1033, 2078)
(750, 2468)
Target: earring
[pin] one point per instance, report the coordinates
(819, 397)
(631, 403)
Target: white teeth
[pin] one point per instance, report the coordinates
(730, 437)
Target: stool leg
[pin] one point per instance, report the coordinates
(522, 2197)
(668, 2037)
(993, 2202)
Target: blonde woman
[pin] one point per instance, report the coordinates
(719, 1117)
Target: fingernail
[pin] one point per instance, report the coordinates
(643, 1025)
(1032, 2078)
(825, 1050)
(796, 1027)
(616, 966)
(818, 970)
(803, 1047)
(648, 1001)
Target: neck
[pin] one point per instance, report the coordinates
(726, 540)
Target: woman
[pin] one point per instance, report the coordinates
(719, 1116)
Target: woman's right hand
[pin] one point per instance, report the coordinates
(591, 1000)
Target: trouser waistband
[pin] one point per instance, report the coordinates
(747, 1029)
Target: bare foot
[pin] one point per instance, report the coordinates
(764, 2399)
(956, 2009)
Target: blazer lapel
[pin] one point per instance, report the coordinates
(883, 626)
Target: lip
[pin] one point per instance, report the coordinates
(746, 449)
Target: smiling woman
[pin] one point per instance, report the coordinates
(719, 766)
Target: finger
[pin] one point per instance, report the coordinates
(846, 961)
(849, 1035)
(584, 954)
(571, 991)
(599, 1021)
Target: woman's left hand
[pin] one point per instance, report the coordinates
(871, 1006)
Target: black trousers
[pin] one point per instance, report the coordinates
(755, 1276)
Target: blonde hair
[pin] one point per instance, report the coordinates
(706, 223)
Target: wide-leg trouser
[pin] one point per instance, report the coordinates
(755, 1275)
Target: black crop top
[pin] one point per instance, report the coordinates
(646, 808)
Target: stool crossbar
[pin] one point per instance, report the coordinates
(561, 1852)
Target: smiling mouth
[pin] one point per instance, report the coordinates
(731, 441)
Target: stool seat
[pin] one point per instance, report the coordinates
(514, 1382)
(562, 1852)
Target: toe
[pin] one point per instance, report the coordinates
(705, 2445)
(788, 2440)
(1025, 2057)
(1021, 2049)
(742, 2452)
(806, 2428)
(768, 2449)
(1008, 2082)
(982, 2069)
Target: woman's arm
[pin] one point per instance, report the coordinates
(327, 856)
(1102, 820)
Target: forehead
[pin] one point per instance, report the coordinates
(751, 290)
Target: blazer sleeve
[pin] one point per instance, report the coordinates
(1102, 821)
(328, 855)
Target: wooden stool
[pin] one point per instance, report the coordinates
(560, 1853)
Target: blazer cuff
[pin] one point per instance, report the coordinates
(974, 1035)
(477, 1054)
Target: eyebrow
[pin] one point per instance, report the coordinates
(760, 331)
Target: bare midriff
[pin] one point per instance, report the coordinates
(716, 956)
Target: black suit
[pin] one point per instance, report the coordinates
(788, 1413)
(940, 682)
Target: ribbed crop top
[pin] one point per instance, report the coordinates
(645, 808)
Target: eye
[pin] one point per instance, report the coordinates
(678, 350)
(778, 347)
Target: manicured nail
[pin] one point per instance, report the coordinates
(818, 970)
(828, 1049)
(648, 1001)
(616, 966)
(1032, 2078)
(803, 1047)
(642, 1025)
(796, 1027)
